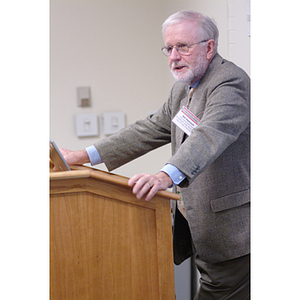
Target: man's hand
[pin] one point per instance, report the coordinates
(146, 184)
(75, 157)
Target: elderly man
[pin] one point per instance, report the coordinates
(206, 119)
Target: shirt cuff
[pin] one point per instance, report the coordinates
(94, 155)
(175, 174)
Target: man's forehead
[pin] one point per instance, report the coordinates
(185, 31)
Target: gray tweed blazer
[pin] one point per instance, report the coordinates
(215, 159)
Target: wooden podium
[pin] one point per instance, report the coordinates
(105, 243)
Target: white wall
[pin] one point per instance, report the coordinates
(113, 46)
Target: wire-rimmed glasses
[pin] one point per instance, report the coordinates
(182, 49)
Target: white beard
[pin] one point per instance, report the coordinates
(192, 74)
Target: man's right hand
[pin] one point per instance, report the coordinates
(75, 157)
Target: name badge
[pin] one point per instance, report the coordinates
(186, 120)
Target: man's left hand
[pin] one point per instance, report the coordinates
(148, 185)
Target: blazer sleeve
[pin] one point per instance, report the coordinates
(136, 140)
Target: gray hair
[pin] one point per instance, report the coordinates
(206, 27)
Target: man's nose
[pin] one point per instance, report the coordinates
(174, 54)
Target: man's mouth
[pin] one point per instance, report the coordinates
(178, 68)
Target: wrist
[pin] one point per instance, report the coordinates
(165, 178)
(82, 157)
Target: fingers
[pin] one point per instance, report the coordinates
(132, 181)
(67, 154)
(143, 185)
(146, 185)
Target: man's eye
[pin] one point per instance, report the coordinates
(181, 46)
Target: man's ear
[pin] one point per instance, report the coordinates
(210, 49)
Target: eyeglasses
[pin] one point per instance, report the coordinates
(182, 49)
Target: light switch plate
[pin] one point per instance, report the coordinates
(86, 125)
(113, 122)
(83, 96)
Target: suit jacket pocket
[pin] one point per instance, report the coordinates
(230, 201)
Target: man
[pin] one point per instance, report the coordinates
(206, 119)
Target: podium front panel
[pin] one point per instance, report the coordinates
(106, 244)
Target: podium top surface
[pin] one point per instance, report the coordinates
(87, 172)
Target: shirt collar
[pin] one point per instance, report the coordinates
(195, 84)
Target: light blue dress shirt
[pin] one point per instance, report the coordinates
(94, 155)
(175, 174)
